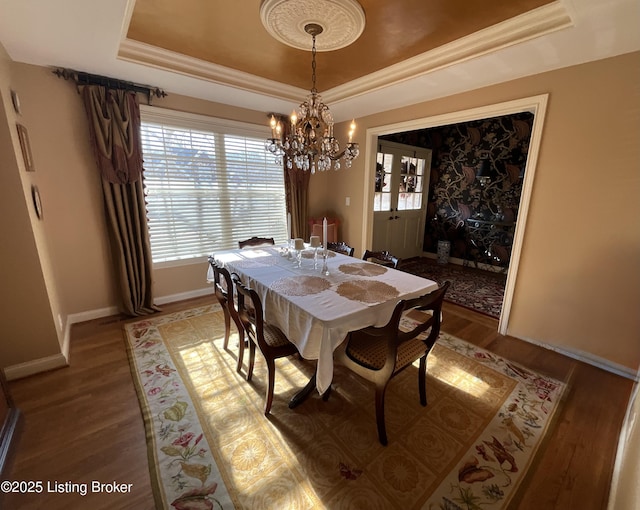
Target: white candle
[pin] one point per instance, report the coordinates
(314, 241)
(273, 126)
(324, 234)
(299, 244)
(288, 226)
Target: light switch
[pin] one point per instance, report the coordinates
(347, 201)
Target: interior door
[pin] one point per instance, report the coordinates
(400, 197)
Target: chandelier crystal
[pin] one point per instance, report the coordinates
(309, 143)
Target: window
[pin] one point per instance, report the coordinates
(209, 183)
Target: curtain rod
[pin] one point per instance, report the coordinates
(82, 78)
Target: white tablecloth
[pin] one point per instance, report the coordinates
(316, 311)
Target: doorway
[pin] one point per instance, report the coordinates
(535, 105)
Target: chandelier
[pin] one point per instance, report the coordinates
(309, 143)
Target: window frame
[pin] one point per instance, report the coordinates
(218, 126)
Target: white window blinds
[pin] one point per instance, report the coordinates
(209, 183)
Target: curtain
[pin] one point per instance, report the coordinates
(296, 185)
(114, 126)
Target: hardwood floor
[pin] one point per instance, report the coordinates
(83, 423)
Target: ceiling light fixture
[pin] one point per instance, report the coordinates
(309, 143)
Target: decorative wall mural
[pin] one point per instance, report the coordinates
(477, 172)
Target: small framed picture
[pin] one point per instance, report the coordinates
(23, 135)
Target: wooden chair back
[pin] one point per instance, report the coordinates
(341, 247)
(256, 241)
(382, 257)
(378, 354)
(223, 291)
(271, 341)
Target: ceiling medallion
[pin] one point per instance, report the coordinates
(342, 22)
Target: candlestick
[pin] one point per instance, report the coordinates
(288, 226)
(298, 245)
(324, 235)
(314, 242)
(325, 269)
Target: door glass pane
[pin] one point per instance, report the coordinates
(382, 195)
(411, 181)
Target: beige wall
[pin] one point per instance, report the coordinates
(26, 305)
(578, 285)
(69, 183)
(583, 205)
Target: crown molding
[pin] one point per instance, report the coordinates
(159, 58)
(538, 22)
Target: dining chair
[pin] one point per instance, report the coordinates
(256, 241)
(341, 247)
(377, 354)
(223, 291)
(271, 341)
(382, 257)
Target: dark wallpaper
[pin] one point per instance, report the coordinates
(478, 220)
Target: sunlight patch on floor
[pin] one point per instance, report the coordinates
(456, 377)
(223, 392)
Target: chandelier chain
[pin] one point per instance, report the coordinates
(313, 66)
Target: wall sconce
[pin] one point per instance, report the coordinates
(482, 174)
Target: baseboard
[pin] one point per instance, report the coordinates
(589, 359)
(90, 315)
(36, 366)
(62, 359)
(184, 295)
(467, 263)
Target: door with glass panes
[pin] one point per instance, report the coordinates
(400, 196)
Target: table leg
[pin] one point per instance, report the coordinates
(302, 395)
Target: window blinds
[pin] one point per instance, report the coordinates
(209, 183)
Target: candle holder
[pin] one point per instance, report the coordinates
(325, 269)
(314, 242)
(298, 246)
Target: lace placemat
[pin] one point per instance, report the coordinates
(367, 291)
(300, 285)
(362, 269)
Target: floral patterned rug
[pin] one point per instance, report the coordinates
(210, 445)
(482, 291)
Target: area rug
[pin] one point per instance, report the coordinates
(482, 291)
(210, 445)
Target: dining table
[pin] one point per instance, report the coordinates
(316, 297)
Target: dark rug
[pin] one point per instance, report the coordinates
(479, 290)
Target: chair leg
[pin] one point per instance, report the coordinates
(240, 349)
(382, 430)
(227, 326)
(271, 376)
(422, 380)
(252, 359)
